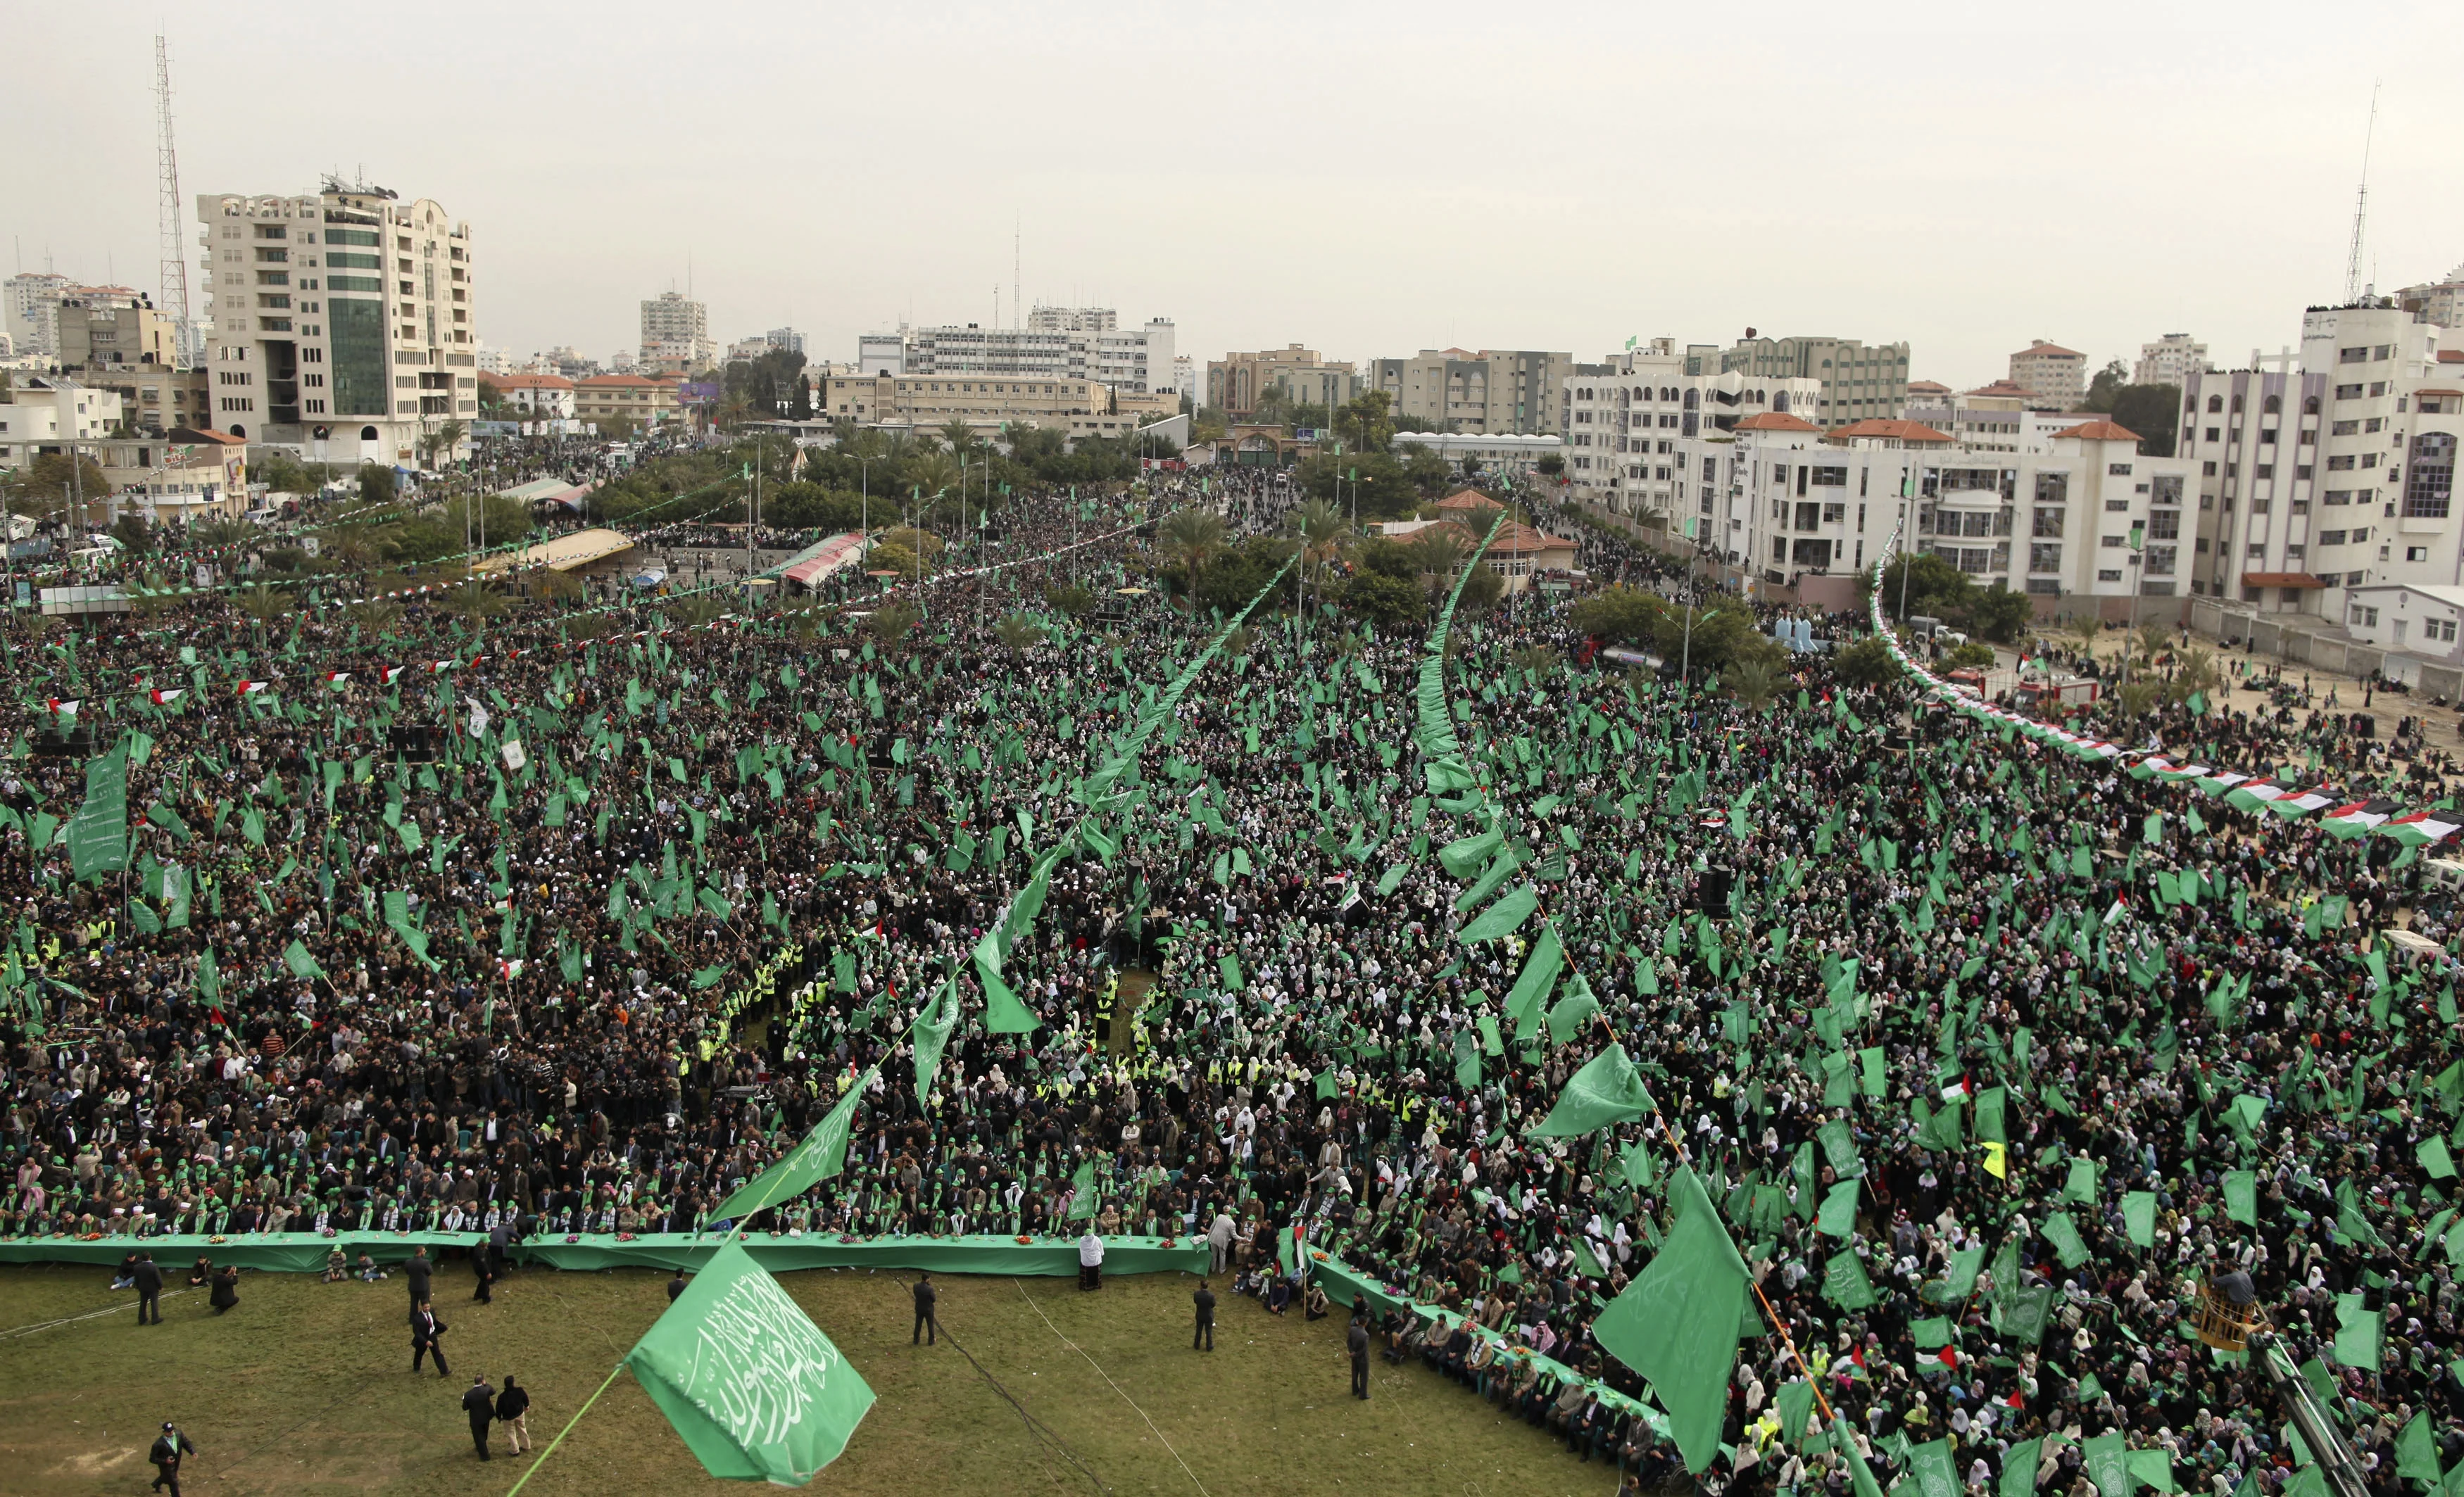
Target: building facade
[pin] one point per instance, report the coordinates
(2329, 471)
(604, 400)
(1860, 381)
(344, 322)
(2170, 360)
(1627, 416)
(48, 412)
(985, 404)
(2440, 300)
(676, 335)
(1058, 344)
(1237, 381)
(1490, 391)
(542, 405)
(2053, 377)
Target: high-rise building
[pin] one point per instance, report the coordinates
(2055, 377)
(1184, 377)
(1494, 390)
(33, 298)
(2170, 360)
(1058, 343)
(1860, 382)
(1627, 418)
(2441, 301)
(2331, 470)
(344, 321)
(676, 335)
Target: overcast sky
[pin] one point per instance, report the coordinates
(1365, 179)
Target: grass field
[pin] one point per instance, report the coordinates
(305, 1388)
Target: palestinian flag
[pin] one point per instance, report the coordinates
(2252, 793)
(439, 667)
(2301, 802)
(2218, 784)
(2358, 819)
(1959, 1090)
(337, 678)
(252, 687)
(2420, 828)
(2185, 772)
(509, 968)
(391, 672)
(2153, 765)
(62, 709)
(165, 698)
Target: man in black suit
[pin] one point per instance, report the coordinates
(479, 1403)
(675, 1286)
(926, 1330)
(1357, 1341)
(170, 1448)
(149, 1288)
(1205, 1332)
(484, 1269)
(426, 1332)
(417, 1270)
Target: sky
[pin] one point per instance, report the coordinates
(1367, 179)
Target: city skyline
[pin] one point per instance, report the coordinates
(794, 174)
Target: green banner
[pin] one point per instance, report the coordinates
(98, 831)
(820, 1157)
(755, 1389)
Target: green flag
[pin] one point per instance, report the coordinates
(2019, 1469)
(1532, 989)
(820, 1157)
(302, 965)
(2358, 1332)
(933, 1029)
(1502, 919)
(1936, 1473)
(99, 830)
(1605, 1091)
(2139, 1217)
(754, 1388)
(1677, 1323)
(1839, 1215)
(1004, 1013)
(2241, 1196)
(2108, 1464)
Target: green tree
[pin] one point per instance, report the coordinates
(1754, 682)
(376, 484)
(1866, 662)
(1427, 472)
(1385, 489)
(1970, 656)
(1069, 599)
(1019, 634)
(134, 534)
(1621, 614)
(2153, 412)
(1999, 614)
(2101, 388)
(1323, 532)
(1366, 422)
(1192, 538)
(1933, 587)
(1382, 597)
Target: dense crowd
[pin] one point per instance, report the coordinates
(2078, 1060)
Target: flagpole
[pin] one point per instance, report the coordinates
(566, 1430)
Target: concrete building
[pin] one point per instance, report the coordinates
(155, 397)
(31, 298)
(1860, 381)
(1488, 453)
(344, 321)
(181, 477)
(1080, 407)
(1184, 377)
(1490, 390)
(2170, 360)
(47, 412)
(2054, 378)
(604, 400)
(1236, 383)
(2330, 470)
(676, 335)
(542, 405)
(1625, 418)
(1059, 344)
(2442, 300)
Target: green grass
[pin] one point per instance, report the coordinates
(306, 1388)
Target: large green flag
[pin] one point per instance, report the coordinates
(820, 1157)
(1936, 1473)
(755, 1389)
(1531, 990)
(933, 1029)
(2108, 1464)
(1607, 1090)
(1004, 1013)
(2358, 1333)
(1839, 1215)
(99, 830)
(2020, 1465)
(1502, 919)
(1677, 1323)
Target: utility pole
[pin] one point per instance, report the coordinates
(167, 210)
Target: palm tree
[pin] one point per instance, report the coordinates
(1442, 551)
(693, 610)
(1753, 683)
(215, 535)
(264, 605)
(472, 602)
(732, 410)
(375, 615)
(1019, 634)
(961, 436)
(1194, 537)
(1537, 659)
(2137, 695)
(2196, 674)
(1323, 534)
(2085, 630)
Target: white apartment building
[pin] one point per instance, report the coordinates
(2331, 472)
(34, 301)
(1184, 377)
(544, 403)
(676, 335)
(1057, 343)
(2170, 360)
(2053, 377)
(1860, 382)
(344, 321)
(1624, 421)
(2441, 301)
(45, 412)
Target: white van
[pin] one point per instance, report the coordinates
(264, 517)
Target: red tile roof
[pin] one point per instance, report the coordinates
(1468, 499)
(1775, 421)
(2099, 430)
(1877, 427)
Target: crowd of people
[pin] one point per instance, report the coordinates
(594, 985)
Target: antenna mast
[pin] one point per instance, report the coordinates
(2361, 206)
(175, 256)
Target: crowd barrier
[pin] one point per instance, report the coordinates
(306, 1252)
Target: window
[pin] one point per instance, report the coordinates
(2164, 524)
(2262, 470)
(2273, 406)
(2113, 543)
(2416, 553)
(2339, 462)
(2331, 538)
(1831, 477)
(2117, 506)
(2348, 392)
(2432, 484)
(2208, 469)
(2352, 356)
(2160, 560)
(2215, 403)
(2111, 574)
(273, 231)
(2048, 523)
(2366, 618)
(2044, 557)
